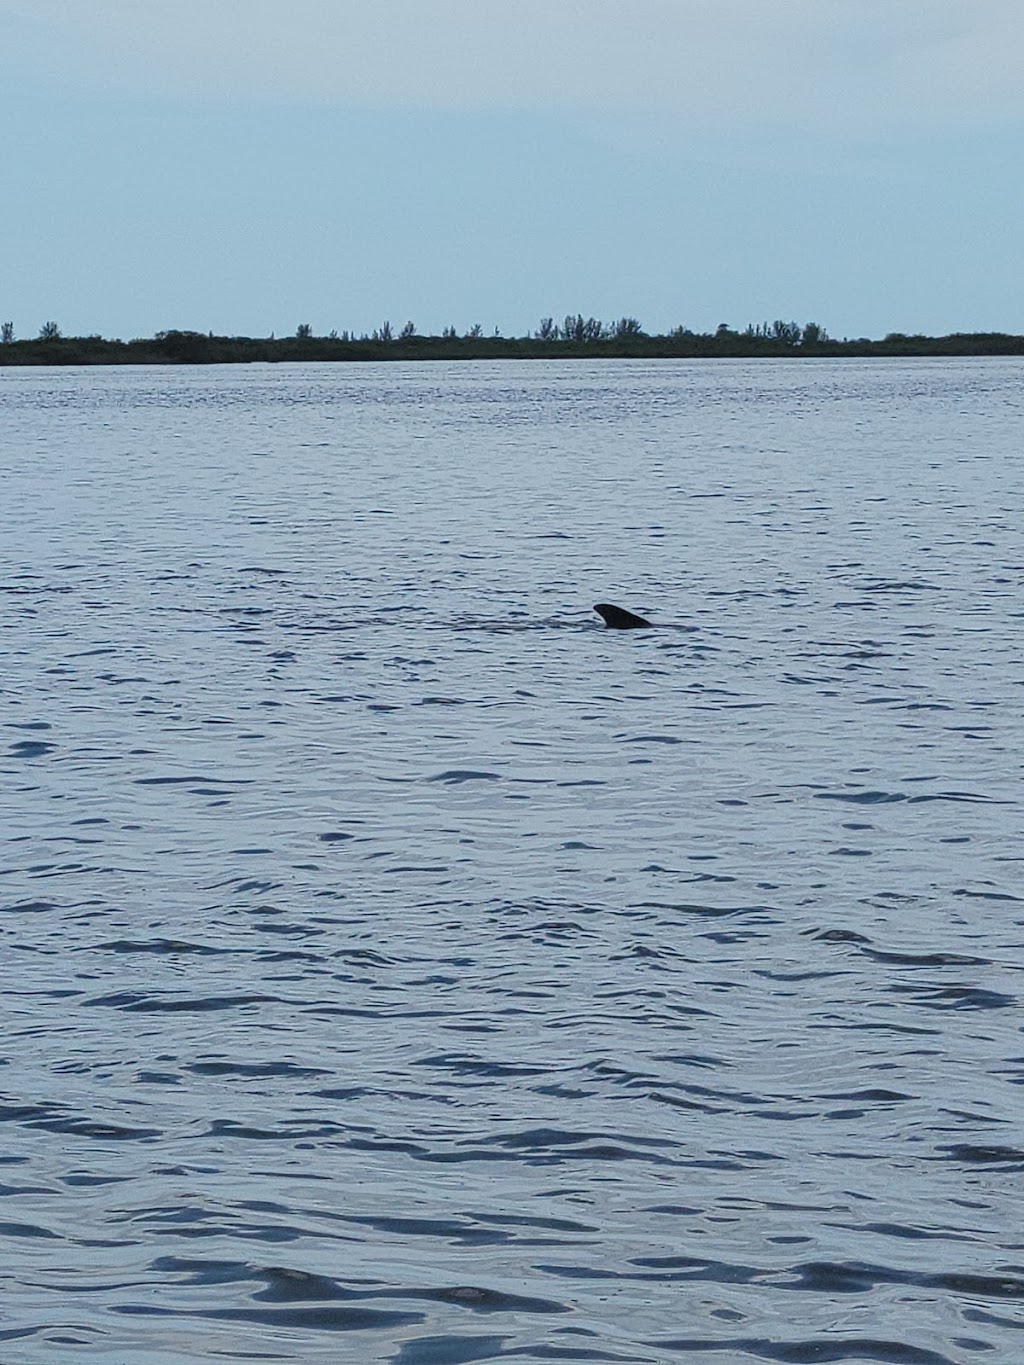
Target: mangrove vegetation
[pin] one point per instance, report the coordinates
(574, 337)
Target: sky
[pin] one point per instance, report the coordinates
(244, 166)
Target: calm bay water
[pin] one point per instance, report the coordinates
(400, 967)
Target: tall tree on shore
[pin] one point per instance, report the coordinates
(579, 328)
(787, 332)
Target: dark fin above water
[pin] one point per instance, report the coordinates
(617, 618)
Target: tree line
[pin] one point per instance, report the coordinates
(574, 336)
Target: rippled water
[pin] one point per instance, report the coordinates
(400, 967)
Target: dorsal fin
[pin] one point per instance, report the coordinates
(617, 618)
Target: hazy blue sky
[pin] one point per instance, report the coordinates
(246, 165)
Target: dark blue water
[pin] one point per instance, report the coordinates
(400, 967)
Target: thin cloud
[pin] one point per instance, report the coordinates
(843, 67)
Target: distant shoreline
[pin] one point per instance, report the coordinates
(201, 348)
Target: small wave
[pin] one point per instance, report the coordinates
(453, 776)
(137, 1002)
(817, 1349)
(159, 946)
(30, 748)
(973, 1154)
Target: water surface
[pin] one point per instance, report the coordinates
(400, 967)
